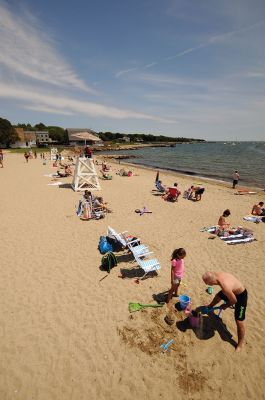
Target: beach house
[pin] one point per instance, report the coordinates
(81, 137)
(42, 138)
(26, 139)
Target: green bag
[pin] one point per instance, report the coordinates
(108, 261)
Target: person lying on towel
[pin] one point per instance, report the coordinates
(67, 172)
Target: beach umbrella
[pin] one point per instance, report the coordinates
(86, 136)
(157, 176)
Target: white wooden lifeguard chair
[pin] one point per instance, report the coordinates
(54, 152)
(85, 176)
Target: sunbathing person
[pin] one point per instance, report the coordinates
(105, 167)
(160, 187)
(224, 226)
(188, 193)
(172, 193)
(88, 196)
(122, 172)
(258, 209)
(198, 191)
(67, 172)
(105, 175)
(99, 203)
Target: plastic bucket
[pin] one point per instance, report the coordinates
(194, 320)
(184, 301)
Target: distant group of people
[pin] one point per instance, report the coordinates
(172, 193)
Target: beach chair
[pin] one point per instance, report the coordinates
(140, 249)
(147, 265)
(173, 194)
(159, 187)
(122, 238)
(132, 244)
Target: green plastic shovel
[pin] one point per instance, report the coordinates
(138, 306)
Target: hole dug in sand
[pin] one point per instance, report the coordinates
(147, 330)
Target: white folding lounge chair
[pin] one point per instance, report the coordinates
(148, 265)
(121, 237)
(133, 245)
(140, 249)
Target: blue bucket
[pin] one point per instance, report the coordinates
(184, 301)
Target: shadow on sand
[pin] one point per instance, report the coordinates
(208, 326)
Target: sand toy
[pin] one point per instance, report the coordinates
(138, 306)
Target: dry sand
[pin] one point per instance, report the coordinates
(66, 332)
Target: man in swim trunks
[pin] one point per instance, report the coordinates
(258, 209)
(233, 293)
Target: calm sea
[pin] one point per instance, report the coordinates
(216, 160)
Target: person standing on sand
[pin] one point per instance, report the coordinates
(177, 271)
(235, 179)
(26, 155)
(233, 293)
(1, 158)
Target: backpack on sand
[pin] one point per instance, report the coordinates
(108, 261)
(104, 246)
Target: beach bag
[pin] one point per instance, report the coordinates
(108, 261)
(116, 245)
(104, 246)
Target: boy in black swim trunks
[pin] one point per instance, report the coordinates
(233, 293)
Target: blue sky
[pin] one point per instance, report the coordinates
(192, 68)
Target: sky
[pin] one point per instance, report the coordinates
(180, 68)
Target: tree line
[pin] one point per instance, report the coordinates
(9, 136)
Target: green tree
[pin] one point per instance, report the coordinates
(8, 134)
(40, 127)
(57, 133)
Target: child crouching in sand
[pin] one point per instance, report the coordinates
(177, 271)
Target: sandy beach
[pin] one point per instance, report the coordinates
(66, 332)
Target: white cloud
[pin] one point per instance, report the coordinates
(125, 71)
(27, 50)
(65, 104)
(211, 41)
(150, 65)
(49, 110)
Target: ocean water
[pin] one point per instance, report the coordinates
(216, 160)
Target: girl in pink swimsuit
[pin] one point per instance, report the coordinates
(177, 271)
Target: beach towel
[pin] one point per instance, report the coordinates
(245, 192)
(253, 218)
(242, 236)
(55, 184)
(79, 209)
(237, 238)
(210, 229)
(50, 175)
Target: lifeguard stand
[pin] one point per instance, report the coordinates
(54, 152)
(85, 176)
